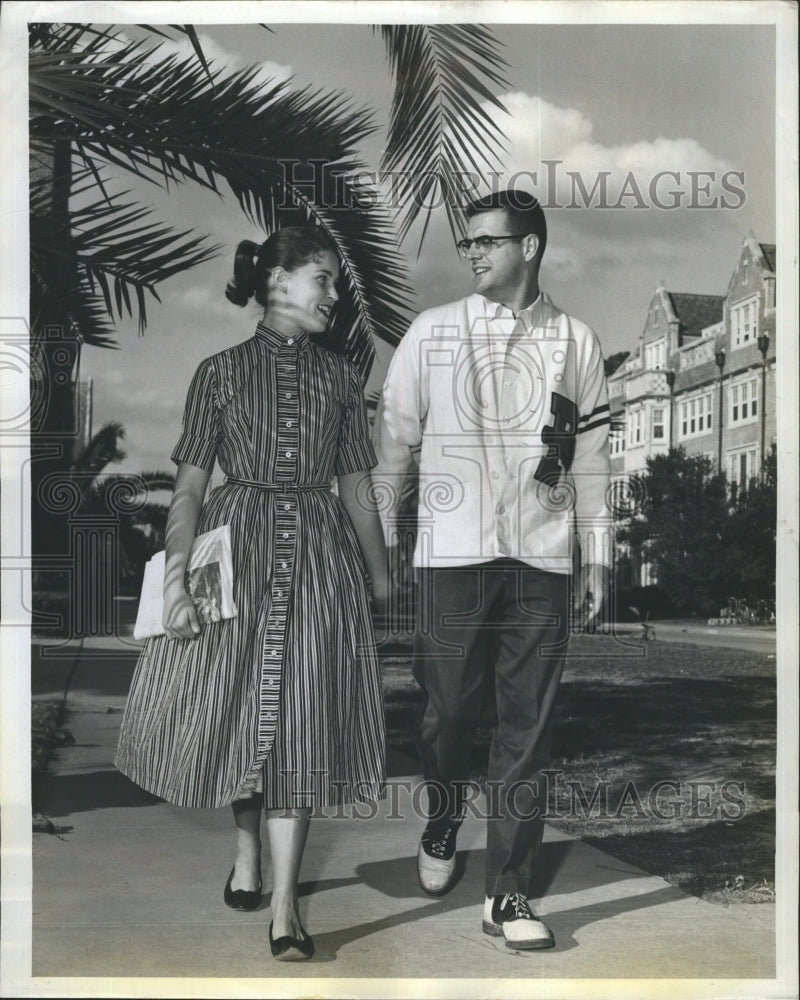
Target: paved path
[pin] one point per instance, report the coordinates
(754, 638)
(132, 886)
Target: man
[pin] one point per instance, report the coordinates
(503, 398)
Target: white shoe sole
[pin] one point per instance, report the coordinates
(526, 944)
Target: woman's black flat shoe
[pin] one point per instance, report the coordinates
(241, 899)
(290, 949)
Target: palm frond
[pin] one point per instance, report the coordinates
(286, 155)
(66, 301)
(111, 249)
(441, 72)
(158, 479)
(101, 450)
(191, 33)
(121, 255)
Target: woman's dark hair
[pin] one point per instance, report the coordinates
(288, 248)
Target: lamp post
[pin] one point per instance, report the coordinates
(763, 346)
(719, 357)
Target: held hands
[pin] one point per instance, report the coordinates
(400, 569)
(180, 617)
(379, 586)
(380, 592)
(589, 592)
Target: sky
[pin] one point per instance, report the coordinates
(625, 102)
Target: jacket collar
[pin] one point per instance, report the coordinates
(538, 314)
(530, 315)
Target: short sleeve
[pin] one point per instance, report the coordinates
(199, 438)
(355, 448)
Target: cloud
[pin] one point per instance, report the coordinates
(208, 300)
(552, 151)
(268, 72)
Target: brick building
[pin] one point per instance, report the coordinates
(702, 376)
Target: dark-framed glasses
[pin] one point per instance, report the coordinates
(484, 244)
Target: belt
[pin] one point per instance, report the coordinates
(277, 487)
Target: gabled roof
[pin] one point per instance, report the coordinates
(768, 250)
(695, 312)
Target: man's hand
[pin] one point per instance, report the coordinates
(589, 593)
(400, 571)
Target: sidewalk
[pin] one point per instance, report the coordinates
(755, 638)
(132, 886)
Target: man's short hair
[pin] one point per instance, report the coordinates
(522, 209)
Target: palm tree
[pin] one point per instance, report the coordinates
(103, 106)
(99, 102)
(141, 519)
(98, 500)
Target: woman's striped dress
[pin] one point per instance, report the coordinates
(286, 697)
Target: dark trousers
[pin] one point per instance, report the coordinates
(506, 625)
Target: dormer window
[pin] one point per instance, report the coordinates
(655, 355)
(744, 322)
(769, 289)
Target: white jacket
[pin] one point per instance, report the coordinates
(508, 421)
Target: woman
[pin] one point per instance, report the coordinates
(281, 706)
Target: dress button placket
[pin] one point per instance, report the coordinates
(284, 506)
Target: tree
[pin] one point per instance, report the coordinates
(91, 491)
(99, 101)
(142, 520)
(681, 528)
(103, 106)
(614, 361)
(751, 538)
(109, 524)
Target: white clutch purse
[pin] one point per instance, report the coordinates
(209, 583)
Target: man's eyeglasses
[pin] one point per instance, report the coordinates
(483, 244)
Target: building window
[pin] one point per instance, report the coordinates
(744, 402)
(635, 435)
(742, 467)
(655, 355)
(744, 323)
(695, 416)
(658, 424)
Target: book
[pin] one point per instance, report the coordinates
(208, 581)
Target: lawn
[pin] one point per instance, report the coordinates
(663, 756)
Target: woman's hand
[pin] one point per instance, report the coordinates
(180, 617)
(380, 592)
